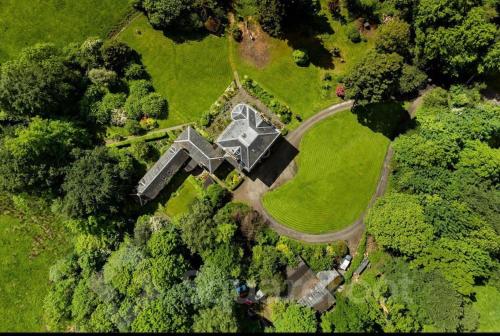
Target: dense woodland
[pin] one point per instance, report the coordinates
(437, 228)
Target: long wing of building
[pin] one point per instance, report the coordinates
(200, 150)
(161, 173)
(189, 144)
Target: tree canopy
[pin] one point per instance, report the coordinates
(455, 39)
(35, 158)
(38, 82)
(375, 78)
(97, 183)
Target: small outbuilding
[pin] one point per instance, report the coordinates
(362, 267)
(313, 290)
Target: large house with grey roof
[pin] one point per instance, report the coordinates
(243, 144)
(248, 138)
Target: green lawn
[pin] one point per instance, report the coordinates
(487, 305)
(179, 203)
(339, 166)
(191, 74)
(24, 22)
(300, 87)
(25, 258)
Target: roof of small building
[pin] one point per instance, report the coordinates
(199, 149)
(248, 137)
(160, 174)
(312, 290)
(362, 266)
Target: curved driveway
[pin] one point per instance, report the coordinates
(251, 191)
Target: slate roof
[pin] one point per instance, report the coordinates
(248, 137)
(200, 150)
(312, 290)
(160, 174)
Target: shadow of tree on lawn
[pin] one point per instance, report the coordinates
(303, 34)
(389, 118)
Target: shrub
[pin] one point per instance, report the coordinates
(133, 127)
(117, 55)
(133, 108)
(148, 123)
(412, 79)
(142, 151)
(135, 72)
(340, 91)
(284, 113)
(393, 36)
(335, 51)
(300, 57)
(154, 105)
(118, 117)
(216, 194)
(438, 97)
(110, 103)
(103, 77)
(327, 77)
(237, 34)
(139, 91)
(233, 180)
(206, 119)
(90, 100)
(353, 34)
(140, 88)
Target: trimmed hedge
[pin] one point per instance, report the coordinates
(146, 138)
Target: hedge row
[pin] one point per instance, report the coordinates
(276, 106)
(145, 138)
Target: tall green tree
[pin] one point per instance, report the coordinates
(375, 78)
(398, 223)
(292, 317)
(98, 183)
(453, 37)
(35, 159)
(171, 312)
(393, 36)
(215, 320)
(38, 82)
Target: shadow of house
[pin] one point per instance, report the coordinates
(389, 118)
(271, 168)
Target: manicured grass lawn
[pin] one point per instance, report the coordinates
(300, 87)
(191, 74)
(179, 203)
(487, 306)
(25, 22)
(339, 165)
(24, 275)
